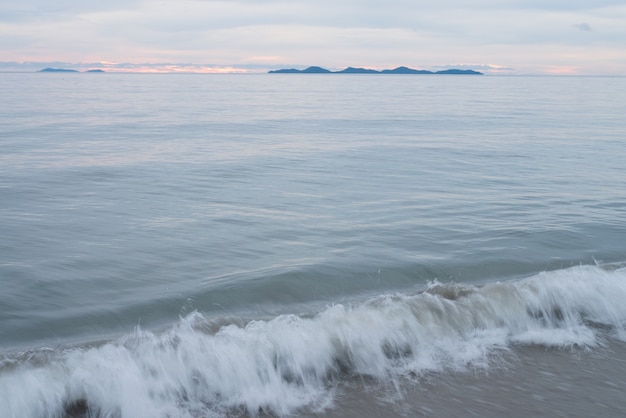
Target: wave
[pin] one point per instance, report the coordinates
(206, 366)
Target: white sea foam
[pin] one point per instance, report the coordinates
(289, 362)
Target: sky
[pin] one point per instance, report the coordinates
(577, 37)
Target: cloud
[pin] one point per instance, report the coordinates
(584, 27)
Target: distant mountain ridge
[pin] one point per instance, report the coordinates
(353, 70)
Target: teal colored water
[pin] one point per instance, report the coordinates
(237, 243)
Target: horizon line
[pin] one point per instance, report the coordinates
(187, 68)
(250, 73)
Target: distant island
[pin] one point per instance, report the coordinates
(56, 70)
(65, 70)
(353, 70)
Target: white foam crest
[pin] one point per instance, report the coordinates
(32, 392)
(289, 362)
(566, 302)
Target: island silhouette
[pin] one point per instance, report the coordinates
(66, 70)
(353, 70)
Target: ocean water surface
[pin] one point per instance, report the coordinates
(312, 245)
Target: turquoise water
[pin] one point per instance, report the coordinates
(239, 242)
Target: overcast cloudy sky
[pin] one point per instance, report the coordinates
(505, 36)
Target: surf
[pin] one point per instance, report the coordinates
(206, 365)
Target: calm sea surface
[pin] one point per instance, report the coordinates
(312, 245)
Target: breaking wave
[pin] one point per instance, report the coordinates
(205, 366)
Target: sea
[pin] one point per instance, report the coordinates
(293, 245)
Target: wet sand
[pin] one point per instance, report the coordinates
(532, 382)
